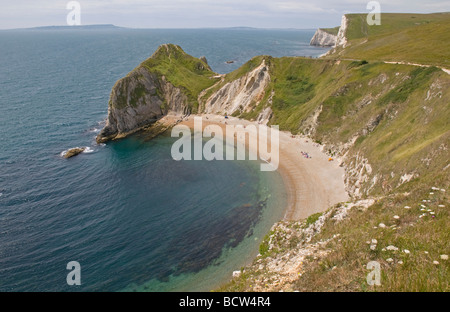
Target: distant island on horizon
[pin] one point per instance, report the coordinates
(112, 26)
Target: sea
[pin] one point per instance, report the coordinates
(129, 215)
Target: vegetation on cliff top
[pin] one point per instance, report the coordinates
(333, 31)
(396, 113)
(184, 71)
(414, 38)
(392, 120)
(392, 123)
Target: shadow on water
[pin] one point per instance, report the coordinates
(199, 247)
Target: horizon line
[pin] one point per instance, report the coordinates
(205, 27)
(49, 27)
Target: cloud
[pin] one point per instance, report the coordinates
(296, 7)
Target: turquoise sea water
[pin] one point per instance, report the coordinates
(130, 215)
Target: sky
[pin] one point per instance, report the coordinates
(202, 13)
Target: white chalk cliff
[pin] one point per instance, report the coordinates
(323, 39)
(341, 40)
(241, 94)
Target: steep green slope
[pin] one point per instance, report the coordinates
(389, 125)
(333, 31)
(394, 114)
(414, 38)
(184, 71)
(169, 81)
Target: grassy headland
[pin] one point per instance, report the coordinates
(414, 38)
(389, 125)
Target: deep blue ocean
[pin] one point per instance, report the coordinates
(130, 215)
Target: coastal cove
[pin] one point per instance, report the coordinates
(313, 184)
(108, 207)
(227, 159)
(290, 193)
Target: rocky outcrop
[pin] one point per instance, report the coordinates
(265, 116)
(341, 40)
(73, 152)
(242, 94)
(204, 60)
(144, 96)
(139, 100)
(323, 38)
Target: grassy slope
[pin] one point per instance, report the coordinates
(426, 238)
(352, 96)
(333, 31)
(415, 38)
(411, 134)
(400, 116)
(182, 70)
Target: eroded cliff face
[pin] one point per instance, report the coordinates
(242, 94)
(138, 100)
(154, 89)
(341, 39)
(323, 39)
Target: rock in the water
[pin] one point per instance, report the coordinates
(74, 152)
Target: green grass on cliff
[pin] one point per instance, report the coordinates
(418, 264)
(333, 31)
(420, 234)
(399, 116)
(414, 38)
(184, 71)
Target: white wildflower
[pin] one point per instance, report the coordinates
(391, 247)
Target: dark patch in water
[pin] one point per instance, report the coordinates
(198, 248)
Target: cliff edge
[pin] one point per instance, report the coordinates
(325, 37)
(168, 82)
